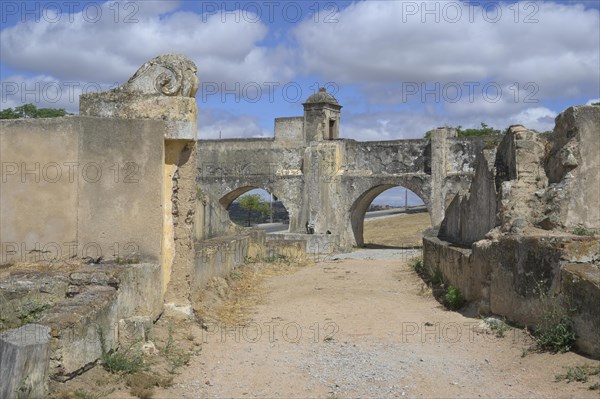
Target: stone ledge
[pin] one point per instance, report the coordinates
(503, 276)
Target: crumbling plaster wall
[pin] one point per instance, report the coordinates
(164, 89)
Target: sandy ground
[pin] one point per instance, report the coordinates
(366, 328)
(361, 324)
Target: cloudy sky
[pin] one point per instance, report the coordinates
(399, 68)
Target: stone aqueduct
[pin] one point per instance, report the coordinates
(161, 236)
(329, 182)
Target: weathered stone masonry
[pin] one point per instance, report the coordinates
(160, 228)
(129, 219)
(328, 182)
(511, 236)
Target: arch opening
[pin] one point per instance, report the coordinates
(389, 216)
(256, 207)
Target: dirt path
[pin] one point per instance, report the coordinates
(364, 325)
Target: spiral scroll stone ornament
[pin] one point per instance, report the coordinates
(163, 88)
(167, 74)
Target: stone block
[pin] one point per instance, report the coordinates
(24, 356)
(134, 329)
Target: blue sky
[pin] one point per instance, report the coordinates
(399, 68)
(393, 196)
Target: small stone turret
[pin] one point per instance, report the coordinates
(321, 117)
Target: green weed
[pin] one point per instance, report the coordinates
(120, 362)
(454, 298)
(555, 331)
(417, 265)
(578, 373)
(582, 231)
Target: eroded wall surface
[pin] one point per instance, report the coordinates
(522, 236)
(329, 184)
(518, 277)
(551, 182)
(110, 197)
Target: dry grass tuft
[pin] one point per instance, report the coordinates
(228, 300)
(142, 384)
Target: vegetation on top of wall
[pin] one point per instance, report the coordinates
(484, 130)
(31, 111)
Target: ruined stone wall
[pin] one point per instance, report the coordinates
(518, 231)
(217, 257)
(507, 276)
(533, 180)
(80, 307)
(115, 188)
(572, 167)
(462, 152)
(470, 216)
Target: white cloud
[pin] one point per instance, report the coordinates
(107, 51)
(388, 125)
(46, 91)
(372, 48)
(214, 124)
(412, 124)
(538, 118)
(381, 42)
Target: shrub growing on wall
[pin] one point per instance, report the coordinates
(31, 111)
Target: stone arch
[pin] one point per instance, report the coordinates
(232, 195)
(361, 204)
